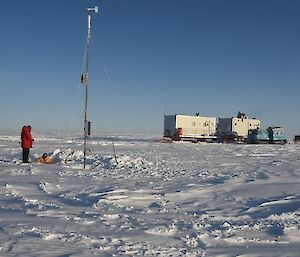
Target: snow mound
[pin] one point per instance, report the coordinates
(122, 162)
(95, 161)
(59, 156)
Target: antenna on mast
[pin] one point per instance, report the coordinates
(84, 80)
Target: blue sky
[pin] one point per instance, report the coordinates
(149, 57)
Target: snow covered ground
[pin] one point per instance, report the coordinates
(154, 199)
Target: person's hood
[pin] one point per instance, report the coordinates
(25, 129)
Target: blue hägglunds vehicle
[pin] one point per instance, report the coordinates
(277, 135)
(258, 136)
(271, 135)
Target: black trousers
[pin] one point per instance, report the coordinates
(25, 155)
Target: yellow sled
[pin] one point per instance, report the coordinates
(45, 159)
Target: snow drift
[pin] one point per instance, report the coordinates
(152, 199)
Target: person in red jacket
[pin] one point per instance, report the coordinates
(26, 142)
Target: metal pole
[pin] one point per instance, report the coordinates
(86, 90)
(86, 82)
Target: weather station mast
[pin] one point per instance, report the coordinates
(84, 81)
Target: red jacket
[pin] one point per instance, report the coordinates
(26, 138)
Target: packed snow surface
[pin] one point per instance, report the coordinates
(149, 198)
